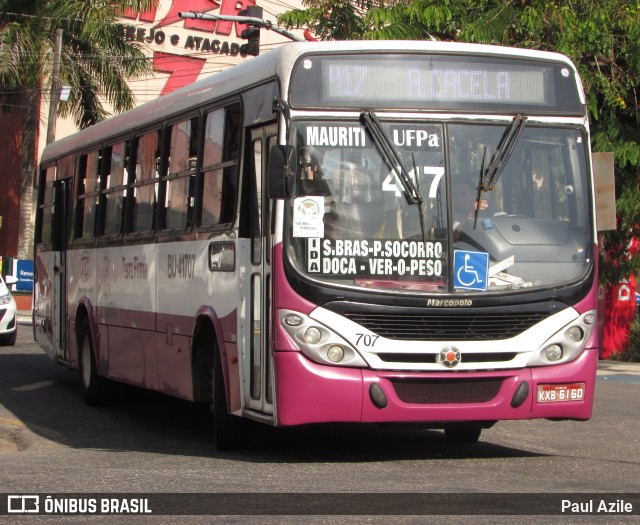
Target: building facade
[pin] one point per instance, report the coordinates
(181, 51)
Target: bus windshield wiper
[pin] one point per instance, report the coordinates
(392, 159)
(387, 150)
(489, 174)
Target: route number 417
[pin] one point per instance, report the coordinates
(390, 183)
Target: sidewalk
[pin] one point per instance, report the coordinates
(612, 368)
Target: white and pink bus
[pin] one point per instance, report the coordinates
(375, 232)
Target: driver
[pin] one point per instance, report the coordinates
(463, 198)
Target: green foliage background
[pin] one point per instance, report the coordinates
(602, 38)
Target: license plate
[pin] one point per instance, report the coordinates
(560, 393)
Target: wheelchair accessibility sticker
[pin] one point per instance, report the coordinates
(471, 270)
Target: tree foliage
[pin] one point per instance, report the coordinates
(96, 60)
(602, 38)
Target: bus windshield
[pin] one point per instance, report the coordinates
(354, 223)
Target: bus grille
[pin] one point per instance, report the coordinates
(456, 327)
(446, 391)
(429, 359)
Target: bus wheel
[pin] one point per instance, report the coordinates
(462, 435)
(10, 340)
(231, 432)
(94, 388)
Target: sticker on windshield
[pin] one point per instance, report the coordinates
(308, 214)
(375, 258)
(470, 270)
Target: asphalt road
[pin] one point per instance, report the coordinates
(51, 443)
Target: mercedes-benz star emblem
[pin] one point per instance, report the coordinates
(449, 356)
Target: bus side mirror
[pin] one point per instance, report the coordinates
(281, 175)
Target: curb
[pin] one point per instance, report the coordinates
(23, 318)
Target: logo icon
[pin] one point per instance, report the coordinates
(471, 270)
(309, 209)
(449, 357)
(85, 263)
(23, 504)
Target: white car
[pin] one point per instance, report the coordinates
(8, 324)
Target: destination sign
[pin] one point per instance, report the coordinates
(445, 83)
(449, 82)
(375, 257)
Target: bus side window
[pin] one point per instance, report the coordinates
(144, 189)
(219, 169)
(115, 189)
(44, 219)
(88, 193)
(180, 185)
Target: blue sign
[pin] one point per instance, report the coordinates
(471, 270)
(25, 275)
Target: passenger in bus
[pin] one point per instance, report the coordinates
(310, 179)
(464, 202)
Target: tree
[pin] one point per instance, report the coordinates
(96, 58)
(343, 20)
(602, 38)
(96, 62)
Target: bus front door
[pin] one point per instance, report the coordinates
(258, 368)
(50, 290)
(59, 321)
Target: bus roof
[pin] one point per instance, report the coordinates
(273, 64)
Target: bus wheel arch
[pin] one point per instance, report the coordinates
(231, 432)
(204, 346)
(210, 385)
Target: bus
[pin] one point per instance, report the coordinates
(377, 232)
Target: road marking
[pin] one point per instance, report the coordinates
(34, 386)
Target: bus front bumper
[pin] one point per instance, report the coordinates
(307, 392)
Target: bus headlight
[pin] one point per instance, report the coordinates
(335, 354)
(318, 342)
(575, 334)
(292, 320)
(312, 335)
(553, 352)
(567, 343)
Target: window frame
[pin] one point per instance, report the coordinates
(133, 183)
(167, 177)
(108, 190)
(81, 164)
(229, 164)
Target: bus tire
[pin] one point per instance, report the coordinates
(9, 340)
(94, 388)
(230, 432)
(462, 435)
